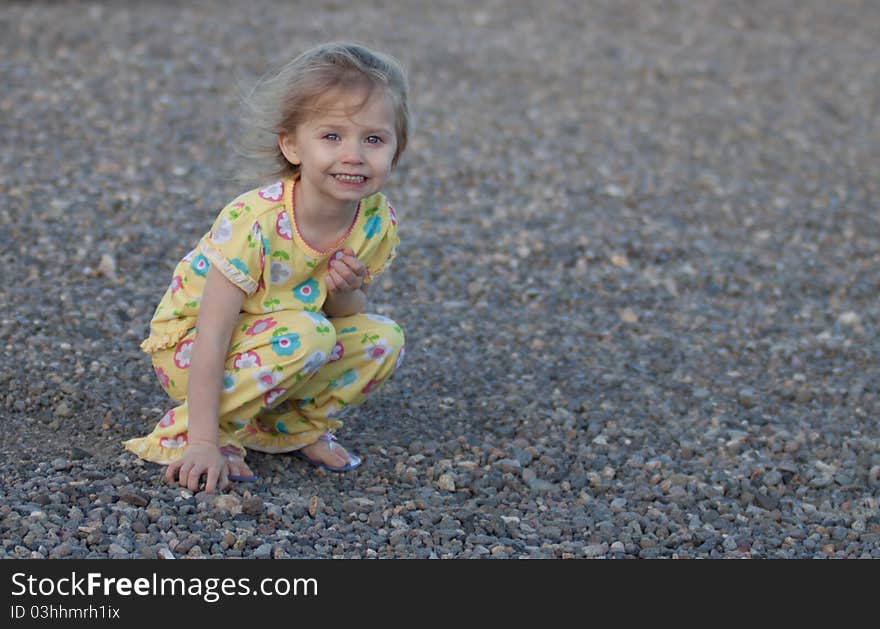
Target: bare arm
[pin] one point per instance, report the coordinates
(345, 304)
(218, 313)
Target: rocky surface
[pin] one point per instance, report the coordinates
(638, 278)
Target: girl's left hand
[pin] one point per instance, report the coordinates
(346, 272)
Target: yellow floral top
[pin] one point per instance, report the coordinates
(256, 244)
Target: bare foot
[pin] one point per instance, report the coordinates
(237, 467)
(329, 453)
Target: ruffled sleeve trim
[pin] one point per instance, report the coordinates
(372, 273)
(146, 449)
(234, 275)
(166, 339)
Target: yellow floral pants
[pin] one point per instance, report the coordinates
(289, 378)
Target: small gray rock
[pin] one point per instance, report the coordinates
(766, 501)
(133, 498)
(63, 410)
(701, 393)
(747, 397)
(115, 550)
(446, 481)
(78, 454)
(252, 505)
(508, 465)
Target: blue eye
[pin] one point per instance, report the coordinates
(374, 139)
(333, 137)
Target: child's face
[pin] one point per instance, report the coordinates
(343, 156)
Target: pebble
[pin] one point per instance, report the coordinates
(747, 396)
(446, 482)
(508, 465)
(63, 410)
(552, 533)
(133, 498)
(252, 505)
(227, 503)
(701, 393)
(766, 501)
(314, 505)
(79, 454)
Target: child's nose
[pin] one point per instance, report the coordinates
(352, 153)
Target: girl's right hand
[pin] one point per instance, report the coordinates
(200, 459)
(346, 273)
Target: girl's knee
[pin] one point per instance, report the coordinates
(384, 338)
(320, 336)
(386, 328)
(317, 350)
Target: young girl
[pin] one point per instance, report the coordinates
(262, 335)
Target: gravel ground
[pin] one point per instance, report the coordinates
(639, 279)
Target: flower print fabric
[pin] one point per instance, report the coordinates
(279, 272)
(260, 325)
(246, 360)
(285, 344)
(378, 350)
(307, 292)
(167, 419)
(314, 362)
(200, 265)
(273, 192)
(282, 226)
(337, 353)
(255, 244)
(229, 380)
(289, 381)
(182, 354)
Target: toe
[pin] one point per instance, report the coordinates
(334, 456)
(338, 457)
(237, 467)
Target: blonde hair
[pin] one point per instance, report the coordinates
(283, 99)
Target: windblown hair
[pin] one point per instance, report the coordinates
(285, 98)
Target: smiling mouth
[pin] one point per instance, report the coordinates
(350, 178)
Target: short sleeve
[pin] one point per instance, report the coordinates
(236, 247)
(384, 252)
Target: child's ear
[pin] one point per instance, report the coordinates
(288, 148)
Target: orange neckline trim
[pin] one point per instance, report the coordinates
(333, 248)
